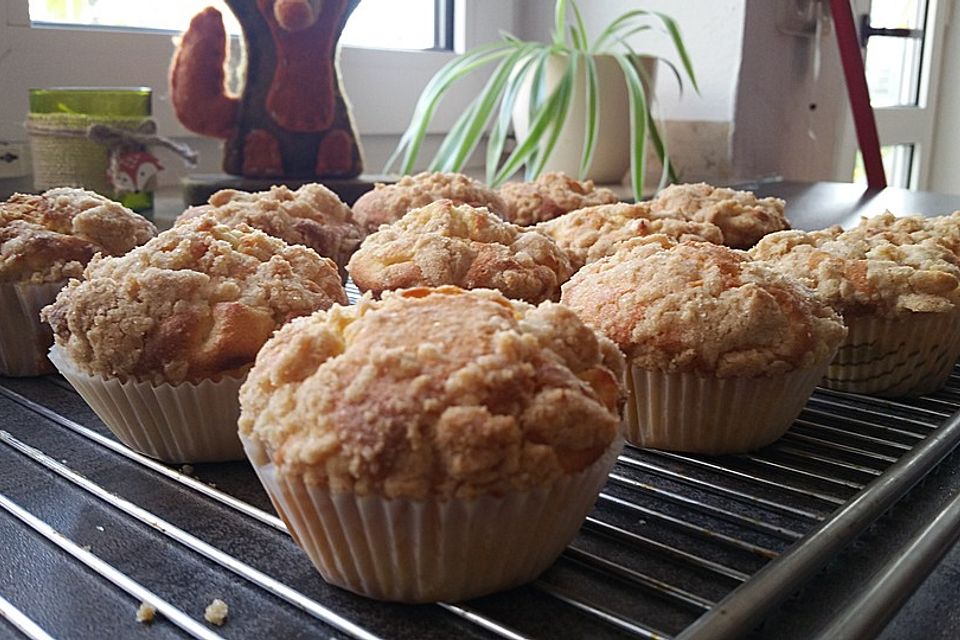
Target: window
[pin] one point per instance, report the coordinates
(897, 164)
(375, 24)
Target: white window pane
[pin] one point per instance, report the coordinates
(893, 65)
(897, 165)
(379, 24)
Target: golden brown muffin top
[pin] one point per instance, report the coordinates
(388, 203)
(913, 229)
(50, 237)
(741, 216)
(313, 216)
(595, 232)
(550, 195)
(703, 308)
(435, 392)
(449, 243)
(866, 274)
(197, 301)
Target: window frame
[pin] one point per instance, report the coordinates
(381, 85)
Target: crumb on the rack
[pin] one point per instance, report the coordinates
(86, 547)
(216, 612)
(146, 613)
(99, 528)
(187, 469)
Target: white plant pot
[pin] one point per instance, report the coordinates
(611, 158)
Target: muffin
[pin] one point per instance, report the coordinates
(549, 196)
(159, 340)
(742, 217)
(389, 203)
(592, 233)
(456, 244)
(312, 216)
(437, 444)
(44, 241)
(722, 351)
(900, 302)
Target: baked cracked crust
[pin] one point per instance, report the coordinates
(434, 392)
(742, 217)
(913, 229)
(595, 232)
(51, 237)
(388, 203)
(862, 274)
(551, 195)
(702, 308)
(197, 301)
(312, 215)
(449, 243)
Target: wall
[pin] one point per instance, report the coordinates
(945, 165)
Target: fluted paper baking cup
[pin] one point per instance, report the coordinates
(179, 423)
(907, 356)
(696, 414)
(24, 339)
(431, 550)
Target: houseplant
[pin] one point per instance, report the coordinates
(519, 62)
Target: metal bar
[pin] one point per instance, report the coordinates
(870, 425)
(892, 586)
(723, 513)
(611, 531)
(785, 449)
(883, 402)
(793, 435)
(472, 615)
(625, 573)
(21, 622)
(742, 475)
(630, 626)
(157, 467)
(740, 611)
(730, 541)
(839, 406)
(850, 434)
(782, 466)
(271, 585)
(115, 577)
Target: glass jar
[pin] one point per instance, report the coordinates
(63, 155)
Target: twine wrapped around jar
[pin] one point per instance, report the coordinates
(65, 156)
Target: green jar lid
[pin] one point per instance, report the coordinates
(106, 101)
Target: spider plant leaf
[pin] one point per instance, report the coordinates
(412, 138)
(674, 31)
(542, 119)
(599, 45)
(498, 133)
(592, 123)
(565, 91)
(638, 123)
(578, 31)
(559, 22)
(473, 122)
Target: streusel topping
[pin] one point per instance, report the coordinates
(551, 195)
(197, 301)
(312, 215)
(595, 232)
(703, 308)
(435, 392)
(446, 243)
(51, 237)
(388, 203)
(741, 216)
(865, 274)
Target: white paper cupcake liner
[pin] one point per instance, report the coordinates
(174, 423)
(431, 550)
(899, 357)
(694, 414)
(24, 339)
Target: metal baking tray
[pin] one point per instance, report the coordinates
(677, 546)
